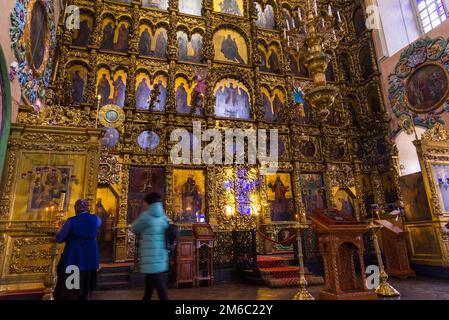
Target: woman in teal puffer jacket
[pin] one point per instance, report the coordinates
(151, 226)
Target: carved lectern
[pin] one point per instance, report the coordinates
(394, 247)
(341, 246)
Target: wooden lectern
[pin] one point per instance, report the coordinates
(341, 246)
(204, 238)
(394, 247)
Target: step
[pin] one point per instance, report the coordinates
(280, 272)
(273, 261)
(112, 277)
(293, 281)
(114, 270)
(113, 285)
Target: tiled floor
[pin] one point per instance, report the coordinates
(412, 289)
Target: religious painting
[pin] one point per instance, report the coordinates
(48, 191)
(291, 21)
(184, 97)
(157, 4)
(110, 138)
(344, 202)
(280, 197)
(145, 40)
(424, 241)
(304, 116)
(312, 192)
(234, 7)
(441, 182)
(111, 90)
(345, 66)
(121, 37)
(273, 104)
(308, 149)
(427, 87)
(78, 80)
(298, 67)
(232, 100)
(38, 33)
(148, 140)
(389, 187)
(359, 20)
(330, 74)
(144, 88)
(189, 195)
(373, 100)
(106, 208)
(265, 16)
(193, 7)
(190, 51)
(143, 180)
(108, 27)
(366, 62)
(153, 45)
(81, 36)
(230, 46)
(367, 191)
(416, 205)
(270, 59)
(337, 151)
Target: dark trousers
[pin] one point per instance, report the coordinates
(156, 281)
(88, 281)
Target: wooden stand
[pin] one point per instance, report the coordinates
(204, 238)
(185, 259)
(341, 243)
(394, 247)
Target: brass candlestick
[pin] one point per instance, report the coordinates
(303, 293)
(384, 289)
(51, 229)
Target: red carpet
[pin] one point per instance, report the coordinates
(278, 271)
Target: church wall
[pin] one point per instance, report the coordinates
(5, 43)
(8, 52)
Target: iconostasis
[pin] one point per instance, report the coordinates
(140, 69)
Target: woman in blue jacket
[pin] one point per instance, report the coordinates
(151, 226)
(80, 253)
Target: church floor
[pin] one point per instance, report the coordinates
(419, 288)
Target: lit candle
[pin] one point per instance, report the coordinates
(299, 14)
(338, 16)
(288, 25)
(293, 22)
(329, 9)
(52, 211)
(315, 7)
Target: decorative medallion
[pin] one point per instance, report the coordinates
(419, 88)
(109, 170)
(111, 116)
(148, 140)
(32, 35)
(110, 138)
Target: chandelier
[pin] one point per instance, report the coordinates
(317, 31)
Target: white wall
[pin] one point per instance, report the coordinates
(400, 27)
(408, 156)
